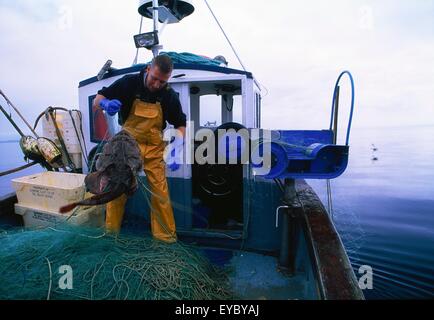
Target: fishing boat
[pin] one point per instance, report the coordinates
(270, 227)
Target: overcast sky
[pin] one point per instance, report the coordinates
(296, 49)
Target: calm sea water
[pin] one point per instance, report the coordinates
(383, 209)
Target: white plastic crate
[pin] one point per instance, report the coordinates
(82, 216)
(49, 190)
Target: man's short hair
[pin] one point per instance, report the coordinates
(164, 63)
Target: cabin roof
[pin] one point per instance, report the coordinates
(177, 66)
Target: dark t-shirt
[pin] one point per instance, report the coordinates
(132, 87)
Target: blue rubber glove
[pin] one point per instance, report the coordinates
(110, 106)
(174, 166)
(175, 158)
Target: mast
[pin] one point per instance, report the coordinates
(155, 49)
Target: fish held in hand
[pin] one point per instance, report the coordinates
(117, 168)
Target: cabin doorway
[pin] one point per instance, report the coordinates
(217, 189)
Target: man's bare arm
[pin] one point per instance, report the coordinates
(97, 100)
(182, 130)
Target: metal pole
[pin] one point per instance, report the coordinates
(11, 121)
(288, 240)
(335, 129)
(155, 49)
(18, 112)
(5, 173)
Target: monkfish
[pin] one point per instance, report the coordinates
(116, 171)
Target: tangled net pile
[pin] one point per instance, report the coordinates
(104, 267)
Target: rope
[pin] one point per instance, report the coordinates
(121, 268)
(62, 142)
(82, 133)
(99, 148)
(83, 150)
(224, 33)
(81, 138)
(330, 200)
(137, 53)
(178, 206)
(51, 278)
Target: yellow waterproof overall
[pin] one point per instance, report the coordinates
(145, 124)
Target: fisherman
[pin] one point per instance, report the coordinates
(145, 102)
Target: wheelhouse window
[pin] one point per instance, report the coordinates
(98, 125)
(214, 103)
(210, 111)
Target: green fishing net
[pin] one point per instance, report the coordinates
(32, 266)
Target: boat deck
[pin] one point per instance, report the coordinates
(256, 277)
(251, 275)
(322, 269)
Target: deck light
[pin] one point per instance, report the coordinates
(146, 40)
